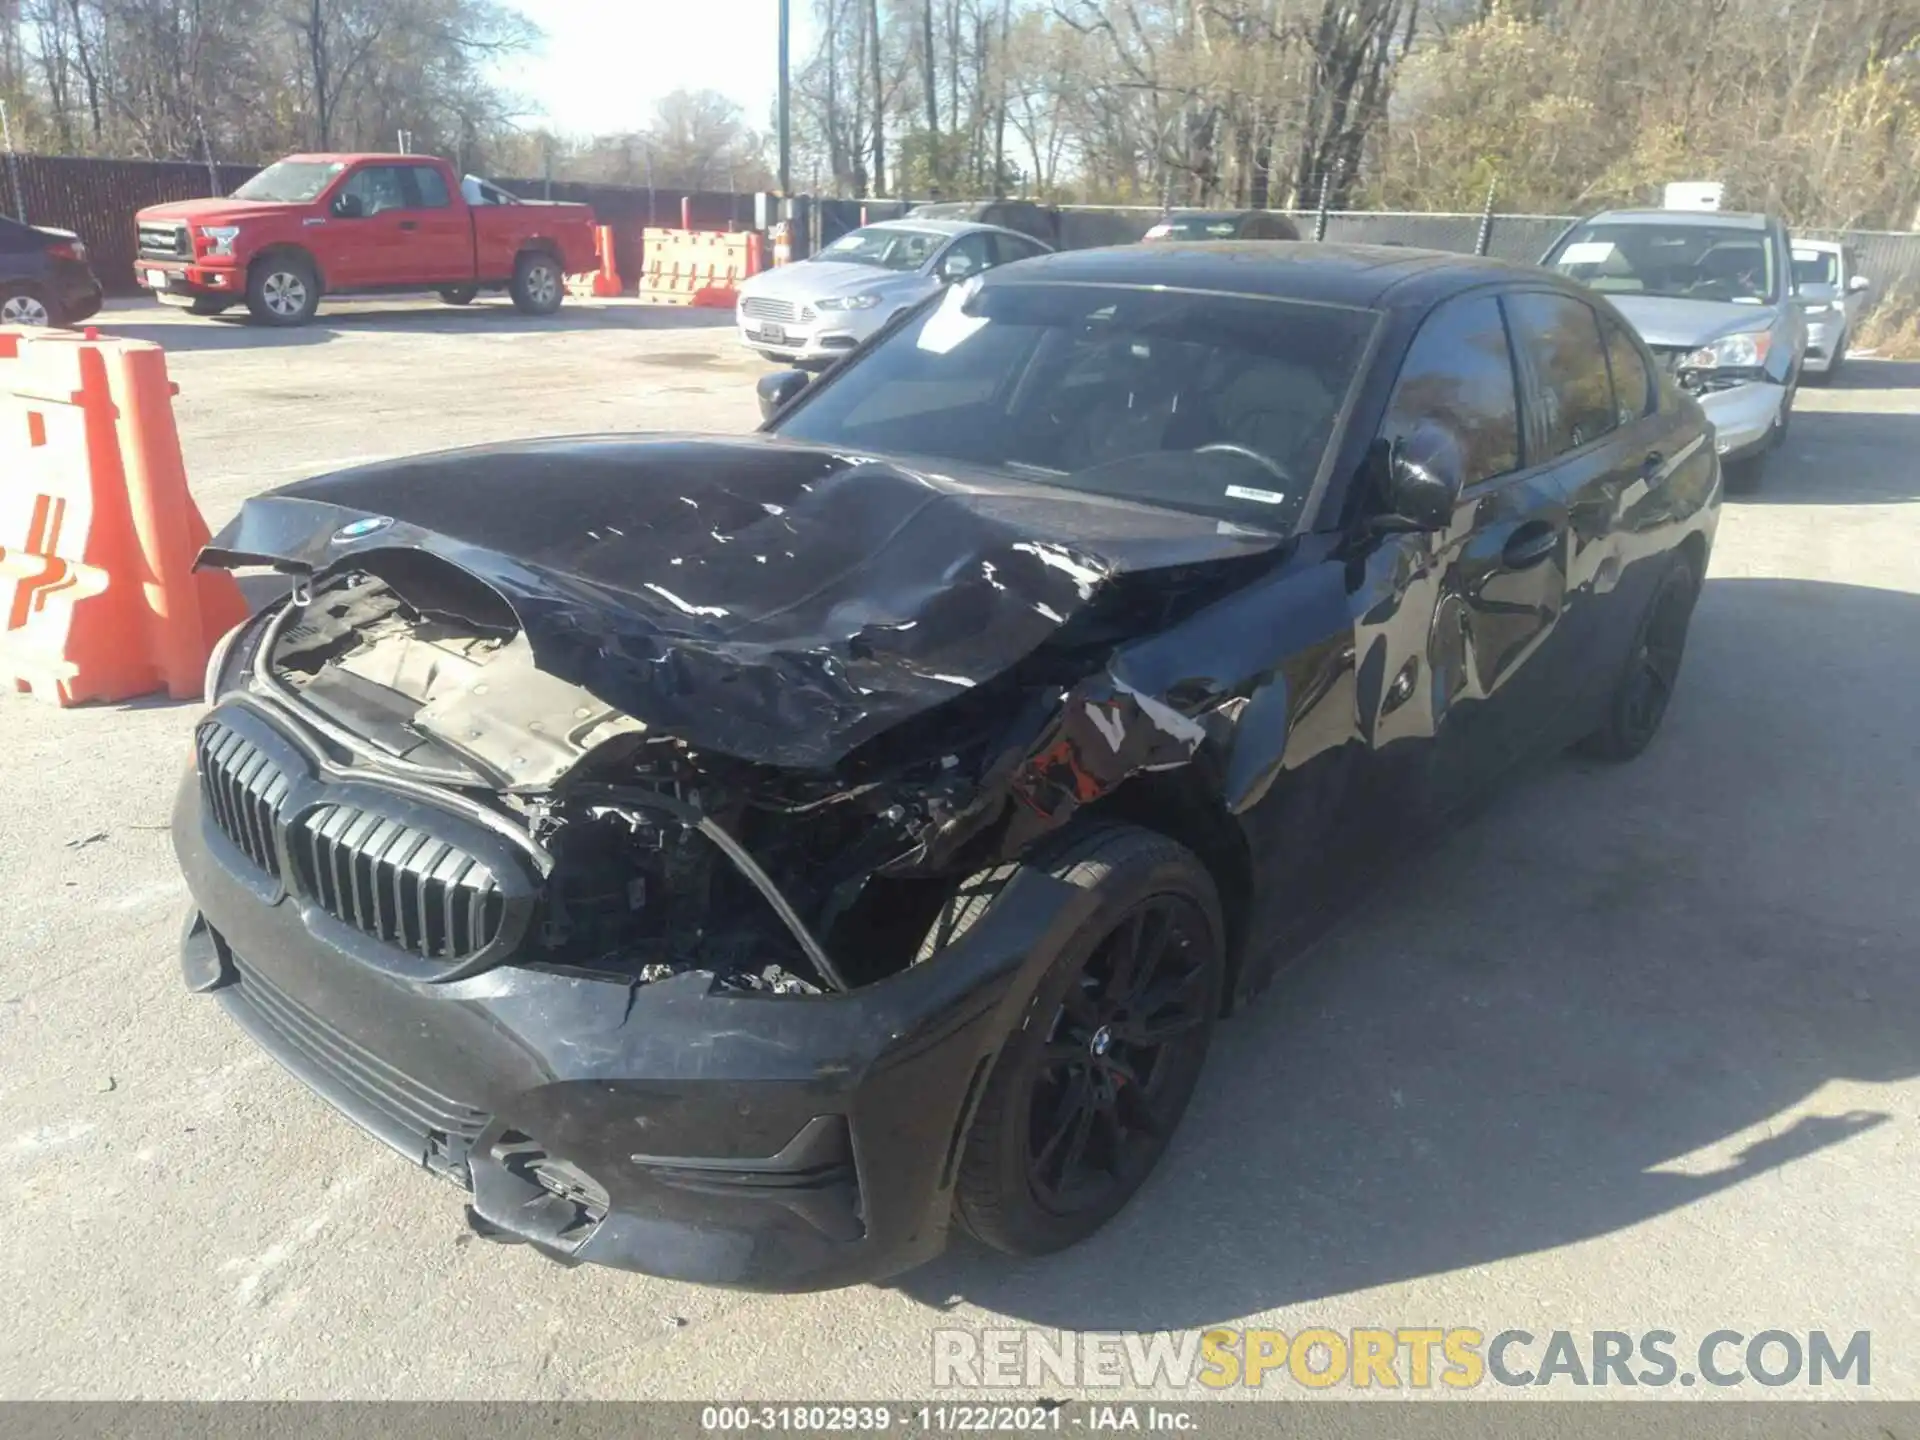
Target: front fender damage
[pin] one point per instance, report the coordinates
(774, 780)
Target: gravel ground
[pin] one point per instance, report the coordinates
(1637, 1049)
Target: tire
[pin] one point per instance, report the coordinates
(459, 294)
(282, 290)
(25, 305)
(1106, 1102)
(538, 287)
(1645, 688)
(207, 305)
(1784, 421)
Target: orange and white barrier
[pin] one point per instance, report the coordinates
(99, 599)
(693, 267)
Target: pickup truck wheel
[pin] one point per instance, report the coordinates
(459, 294)
(283, 291)
(537, 288)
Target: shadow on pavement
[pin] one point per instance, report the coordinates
(1842, 457)
(1508, 1048)
(1868, 373)
(234, 331)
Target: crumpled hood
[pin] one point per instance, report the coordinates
(776, 602)
(1662, 320)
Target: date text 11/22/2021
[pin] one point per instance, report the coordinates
(947, 1418)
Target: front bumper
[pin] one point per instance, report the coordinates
(180, 282)
(1743, 415)
(1824, 339)
(677, 1128)
(822, 340)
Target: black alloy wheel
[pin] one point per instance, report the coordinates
(1644, 692)
(1090, 1085)
(1126, 1045)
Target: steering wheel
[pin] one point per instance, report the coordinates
(1225, 448)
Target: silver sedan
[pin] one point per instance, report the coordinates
(814, 311)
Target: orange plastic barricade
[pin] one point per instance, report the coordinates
(99, 599)
(606, 280)
(691, 267)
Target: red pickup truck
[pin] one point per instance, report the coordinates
(313, 225)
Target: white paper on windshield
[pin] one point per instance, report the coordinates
(949, 325)
(1259, 497)
(1587, 252)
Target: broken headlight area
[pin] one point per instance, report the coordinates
(651, 857)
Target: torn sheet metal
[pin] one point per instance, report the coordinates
(774, 602)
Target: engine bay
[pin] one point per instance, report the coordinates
(656, 858)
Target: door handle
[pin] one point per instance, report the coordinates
(409, 224)
(1529, 545)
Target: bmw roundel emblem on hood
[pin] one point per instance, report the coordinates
(360, 529)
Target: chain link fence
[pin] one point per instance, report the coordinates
(1889, 258)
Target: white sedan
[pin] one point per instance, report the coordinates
(811, 313)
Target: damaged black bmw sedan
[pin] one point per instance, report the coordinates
(739, 859)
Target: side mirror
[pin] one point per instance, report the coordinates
(956, 267)
(1857, 283)
(348, 206)
(777, 391)
(1426, 471)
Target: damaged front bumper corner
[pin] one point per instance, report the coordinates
(678, 1128)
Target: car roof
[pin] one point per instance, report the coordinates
(330, 157)
(1370, 276)
(1725, 219)
(1832, 247)
(942, 227)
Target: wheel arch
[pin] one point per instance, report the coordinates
(288, 249)
(1180, 806)
(540, 245)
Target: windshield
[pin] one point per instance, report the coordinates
(1816, 267)
(292, 181)
(1224, 405)
(889, 247)
(1690, 262)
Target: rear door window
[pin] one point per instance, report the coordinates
(1570, 394)
(1009, 248)
(429, 188)
(378, 187)
(1459, 371)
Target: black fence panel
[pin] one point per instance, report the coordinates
(97, 199)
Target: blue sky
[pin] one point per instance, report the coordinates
(605, 62)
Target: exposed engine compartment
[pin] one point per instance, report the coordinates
(633, 831)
